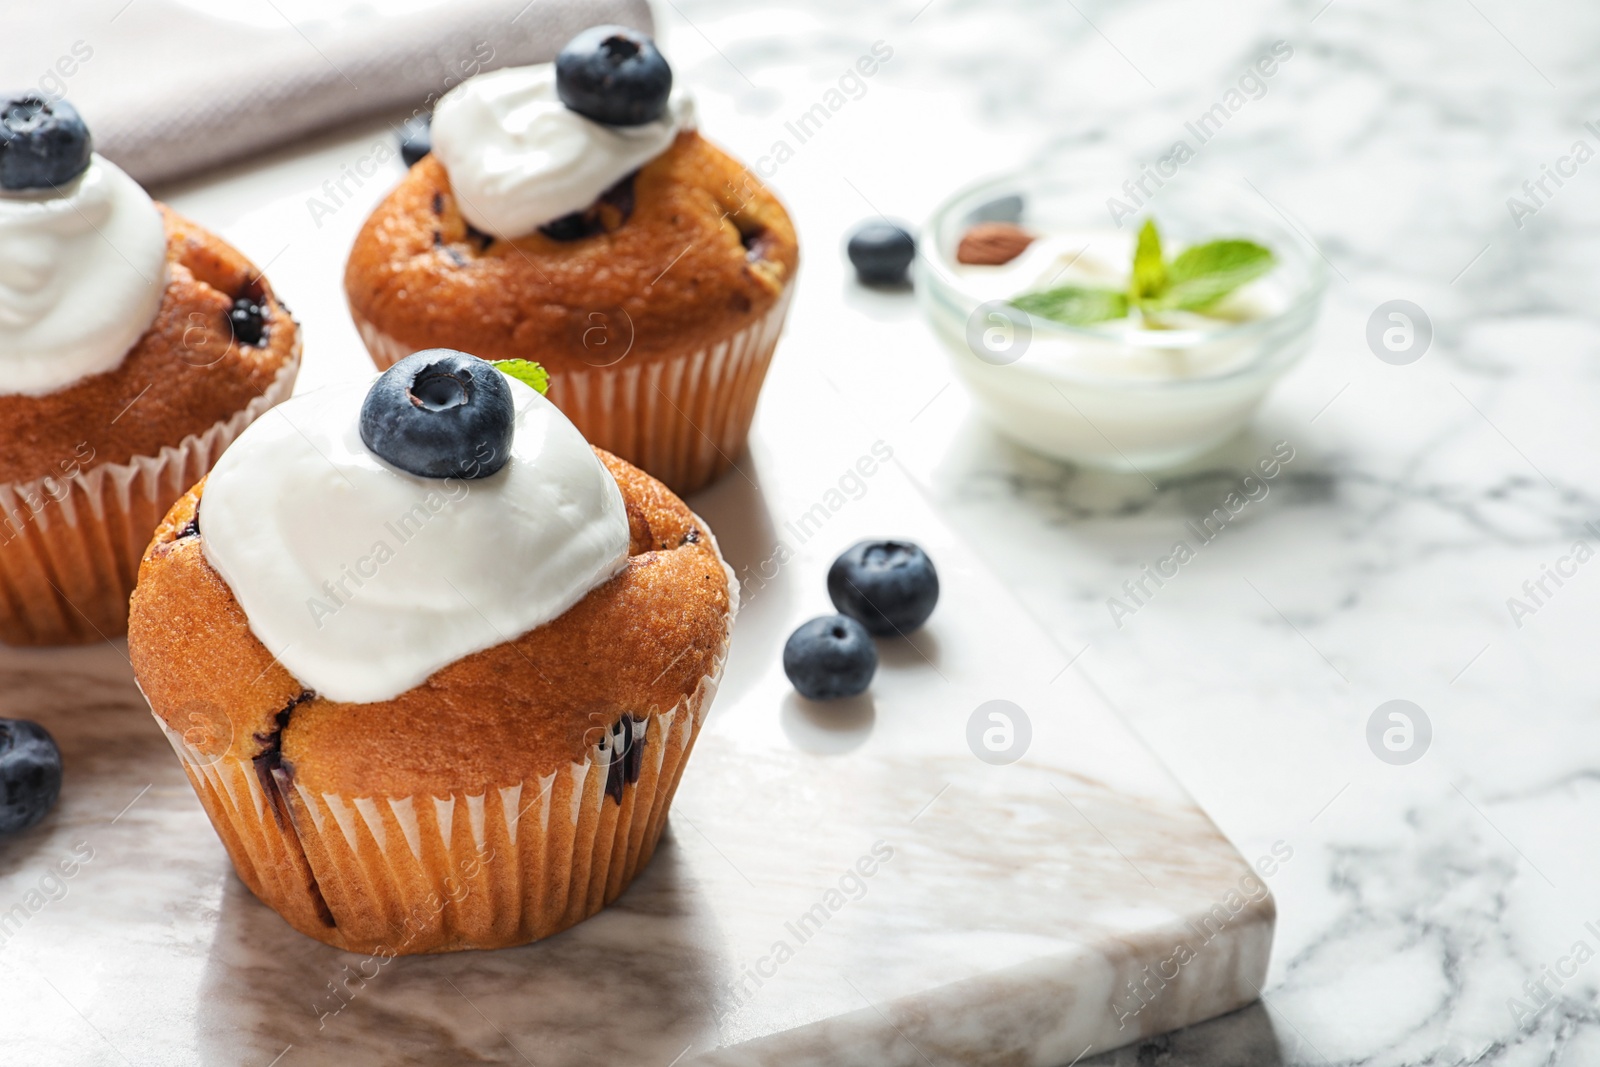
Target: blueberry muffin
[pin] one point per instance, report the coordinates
(134, 347)
(571, 213)
(432, 663)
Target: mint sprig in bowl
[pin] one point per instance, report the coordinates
(1198, 279)
(1136, 347)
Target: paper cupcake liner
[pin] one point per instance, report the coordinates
(683, 419)
(424, 873)
(70, 547)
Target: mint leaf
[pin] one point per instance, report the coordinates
(1204, 274)
(1149, 269)
(525, 371)
(1075, 305)
(1200, 276)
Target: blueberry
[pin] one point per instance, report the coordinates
(613, 75)
(416, 138)
(248, 317)
(30, 774)
(440, 414)
(890, 587)
(42, 143)
(881, 252)
(829, 658)
(614, 208)
(573, 227)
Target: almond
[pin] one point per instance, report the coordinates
(991, 244)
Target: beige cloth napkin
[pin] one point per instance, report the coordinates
(170, 87)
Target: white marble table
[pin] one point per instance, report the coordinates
(1420, 899)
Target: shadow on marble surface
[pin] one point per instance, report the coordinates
(981, 463)
(917, 651)
(889, 304)
(267, 986)
(28, 849)
(736, 510)
(827, 729)
(1245, 1038)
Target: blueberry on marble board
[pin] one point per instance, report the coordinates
(43, 143)
(614, 75)
(881, 252)
(30, 774)
(829, 658)
(440, 414)
(890, 587)
(416, 138)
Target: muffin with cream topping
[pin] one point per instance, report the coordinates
(572, 213)
(134, 346)
(432, 663)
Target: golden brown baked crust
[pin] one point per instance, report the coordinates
(706, 251)
(640, 642)
(185, 374)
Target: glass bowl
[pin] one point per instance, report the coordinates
(1124, 394)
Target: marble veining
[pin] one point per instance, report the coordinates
(1422, 905)
(1426, 903)
(844, 884)
(825, 895)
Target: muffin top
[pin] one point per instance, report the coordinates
(640, 642)
(185, 374)
(521, 158)
(572, 211)
(375, 531)
(582, 595)
(123, 328)
(689, 247)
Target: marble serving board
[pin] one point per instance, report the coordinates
(845, 884)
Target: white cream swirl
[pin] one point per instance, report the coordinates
(519, 158)
(364, 580)
(82, 274)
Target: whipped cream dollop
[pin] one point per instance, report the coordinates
(519, 158)
(363, 580)
(82, 273)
